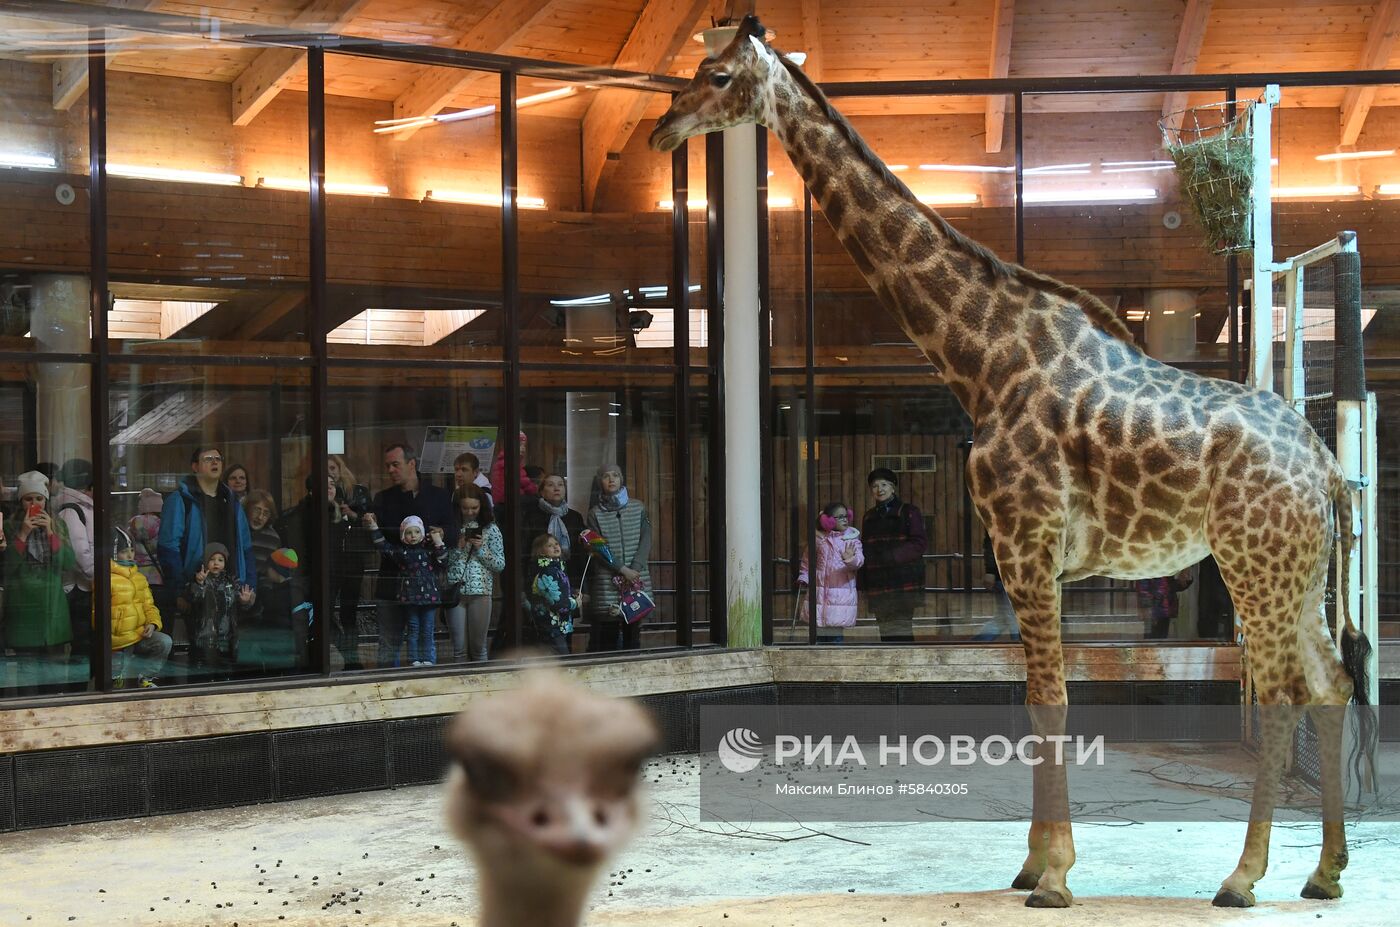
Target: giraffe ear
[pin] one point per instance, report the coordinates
(762, 50)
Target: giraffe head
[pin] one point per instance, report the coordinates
(730, 90)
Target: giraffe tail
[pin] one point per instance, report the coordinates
(1356, 649)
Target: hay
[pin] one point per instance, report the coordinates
(1216, 172)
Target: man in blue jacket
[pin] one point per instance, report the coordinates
(202, 510)
(407, 495)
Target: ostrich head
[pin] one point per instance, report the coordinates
(544, 789)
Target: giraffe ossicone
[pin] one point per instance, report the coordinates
(1089, 458)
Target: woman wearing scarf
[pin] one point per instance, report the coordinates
(626, 527)
(549, 513)
(37, 553)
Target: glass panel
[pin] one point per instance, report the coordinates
(787, 236)
(44, 244)
(699, 254)
(203, 456)
(206, 257)
(413, 218)
(1105, 211)
(590, 428)
(48, 554)
(401, 439)
(595, 265)
(701, 434)
(791, 525)
(936, 146)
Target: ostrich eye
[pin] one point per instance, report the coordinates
(720, 81)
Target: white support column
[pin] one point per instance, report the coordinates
(743, 526)
(1369, 615)
(1261, 353)
(59, 321)
(1294, 380)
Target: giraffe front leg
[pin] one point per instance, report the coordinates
(1277, 721)
(1325, 882)
(1034, 866)
(1050, 814)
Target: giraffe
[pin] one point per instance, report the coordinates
(1089, 458)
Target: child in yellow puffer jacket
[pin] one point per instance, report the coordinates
(139, 647)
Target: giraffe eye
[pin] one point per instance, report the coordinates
(720, 81)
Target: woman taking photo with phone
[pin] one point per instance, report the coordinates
(472, 566)
(36, 611)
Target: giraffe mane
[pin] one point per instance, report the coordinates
(1097, 312)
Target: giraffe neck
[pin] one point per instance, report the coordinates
(920, 273)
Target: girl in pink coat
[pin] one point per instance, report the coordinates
(839, 556)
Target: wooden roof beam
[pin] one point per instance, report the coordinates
(495, 33)
(1003, 15)
(70, 75)
(1188, 52)
(1380, 42)
(612, 117)
(274, 68)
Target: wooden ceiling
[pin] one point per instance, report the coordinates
(846, 40)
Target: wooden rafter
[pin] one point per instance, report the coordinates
(1003, 15)
(812, 39)
(660, 31)
(1188, 51)
(70, 75)
(1380, 43)
(274, 68)
(494, 33)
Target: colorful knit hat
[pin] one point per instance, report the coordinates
(149, 502)
(285, 561)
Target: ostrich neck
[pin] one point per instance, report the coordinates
(512, 898)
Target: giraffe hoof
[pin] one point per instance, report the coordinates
(1026, 880)
(1228, 898)
(1320, 892)
(1047, 898)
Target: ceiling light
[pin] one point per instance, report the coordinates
(1058, 169)
(1335, 190)
(1356, 155)
(1102, 195)
(304, 186)
(897, 168)
(1389, 189)
(690, 204)
(780, 202)
(1135, 167)
(15, 159)
(948, 199)
(967, 168)
(418, 122)
(482, 199)
(142, 172)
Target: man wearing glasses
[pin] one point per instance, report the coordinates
(202, 510)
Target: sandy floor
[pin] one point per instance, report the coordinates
(383, 859)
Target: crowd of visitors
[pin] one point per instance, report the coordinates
(211, 580)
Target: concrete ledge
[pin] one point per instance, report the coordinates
(318, 703)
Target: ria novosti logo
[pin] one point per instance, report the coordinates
(741, 750)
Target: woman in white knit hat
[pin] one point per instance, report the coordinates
(37, 553)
